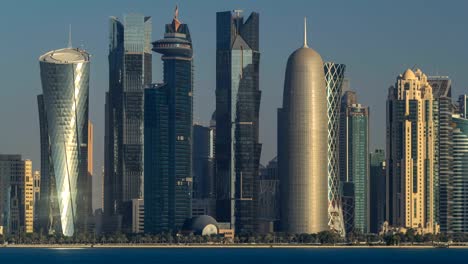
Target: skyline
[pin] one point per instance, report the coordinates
(369, 75)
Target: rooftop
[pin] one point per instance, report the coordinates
(65, 56)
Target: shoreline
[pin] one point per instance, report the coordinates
(235, 246)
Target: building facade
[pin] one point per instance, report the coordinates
(334, 75)
(37, 197)
(443, 149)
(302, 144)
(64, 140)
(410, 153)
(377, 190)
(203, 162)
(168, 134)
(463, 105)
(459, 203)
(237, 119)
(268, 197)
(355, 142)
(129, 72)
(16, 195)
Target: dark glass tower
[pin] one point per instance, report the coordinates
(129, 72)
(237, 109)
(168, 134)
(377, 190)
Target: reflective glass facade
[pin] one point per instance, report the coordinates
(355, 140)
(334, 74)
(64, 108)
(129, 72)
(168, 134)
(459, 207)
(237, 119)
(377, 190)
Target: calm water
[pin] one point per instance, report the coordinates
(238, 256)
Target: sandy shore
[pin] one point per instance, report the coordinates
(214, 246)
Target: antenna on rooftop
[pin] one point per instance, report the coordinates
(70, 37)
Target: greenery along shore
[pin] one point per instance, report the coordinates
(322, 238)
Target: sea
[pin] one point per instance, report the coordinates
(232, 255)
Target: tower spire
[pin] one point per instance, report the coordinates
(305, 32)
(70, 37)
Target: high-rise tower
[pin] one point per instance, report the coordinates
(354, 151)
(459, 204)
(443, 149)
(334, 74)
(63, 109)
(237, 119)
(129, 72)
(168, 134)
(410, 153)
(302, 144)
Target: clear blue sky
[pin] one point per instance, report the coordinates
(377, 40)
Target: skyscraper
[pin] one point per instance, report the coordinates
(16, 195)
(129, 72)
(334, 74)
(443, 156)
(37, 196)
(268, 197)
(203, 162)
(459, 203)
(63, 115)
(302, 144)
(168, 134)
(377, 190)
(237, 119)
(410, 153)
(354, 143)
(463, 105)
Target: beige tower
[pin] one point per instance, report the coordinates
(28, 197)
(410, 153)
(302, 144)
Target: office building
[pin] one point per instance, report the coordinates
(377, 190)
(268, 197)
(443, 156)
(354, 142)
(334, 74)
(302, 144)
(16, 195)
(459, 203)
(138, 216)
(463, 105)
(37, 196)
(237, 119)
(129, 73)
(203, 162)
(168, 133)
(410, 153)
(63, 110)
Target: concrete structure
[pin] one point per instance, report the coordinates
(168, 133)
(237, 119)
(138, 216)
(130, 71)
(302, 144)
(410, 153)
(16, 195)
(334, 75)
(63, 109)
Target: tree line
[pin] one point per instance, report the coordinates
(322, 238)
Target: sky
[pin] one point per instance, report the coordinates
(377, 40)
